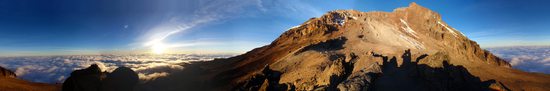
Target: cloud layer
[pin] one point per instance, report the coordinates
(531, 59)
(55, 69)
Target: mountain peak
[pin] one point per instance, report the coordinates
(351, 37)
(415, 10)
(413, 4)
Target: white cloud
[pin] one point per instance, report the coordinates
(546, 60)
(204, 12)
(151, 76)
(532, 59)
(23, 70)
(55, 69)
(515, 61)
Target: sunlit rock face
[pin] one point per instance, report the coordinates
(526, 58)
(55, 69)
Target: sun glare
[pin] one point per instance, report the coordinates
(158, 48)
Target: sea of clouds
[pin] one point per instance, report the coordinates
(526, 58)
(55, 69)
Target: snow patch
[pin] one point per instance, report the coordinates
(353, 17)
(340, 20)
(449, 29)
(294, 27)
(413, 42)
(408, 29)
(458, 32)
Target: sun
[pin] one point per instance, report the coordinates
(158, 48)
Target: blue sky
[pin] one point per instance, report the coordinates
(75, 27)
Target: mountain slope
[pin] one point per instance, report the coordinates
(410, 48)
(9, 82)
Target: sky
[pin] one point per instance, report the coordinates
(91, 27)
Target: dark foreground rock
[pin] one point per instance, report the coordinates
(92, 79)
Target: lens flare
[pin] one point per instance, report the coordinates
(158, 48)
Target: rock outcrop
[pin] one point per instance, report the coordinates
(92, 79)
(410, 48)
(121, 79)
(6, 73)
(88, 79)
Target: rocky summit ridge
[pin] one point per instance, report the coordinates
(411, 48)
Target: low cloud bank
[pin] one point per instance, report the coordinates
(531, 59)
(55, 69)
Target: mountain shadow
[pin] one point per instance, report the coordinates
(421, 77)
(268, 80)
(329, 45)
(335, 80)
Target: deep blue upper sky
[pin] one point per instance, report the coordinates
(69, 27)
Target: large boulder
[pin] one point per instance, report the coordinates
(88, 79)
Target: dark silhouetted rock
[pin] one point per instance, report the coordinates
(92, 79)
(7, 73)
(88, 79)
(121, 79)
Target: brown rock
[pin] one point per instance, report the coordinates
(6, 73)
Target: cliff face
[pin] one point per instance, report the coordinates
(410, 48)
